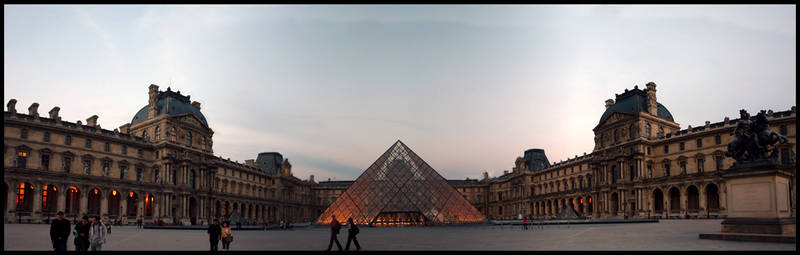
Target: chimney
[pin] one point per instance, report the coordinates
(54, 113)
(151, 105)
(12, 106)
(505, 172)
(311, 178)
(609, 103)
(125, 129)
(485, 176)
(92, 121)
(33, 110)
(652, 104)
(708, 124)
(196, 105)
(250, 162)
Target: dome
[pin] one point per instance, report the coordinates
(170, 103)
(635, 101)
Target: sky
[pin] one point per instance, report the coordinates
(468, 88)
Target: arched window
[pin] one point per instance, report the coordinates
(144, 134)
(158, 133)
(602, 140)
(616, 135)
(660, 132)
(189, 138)
(632, 132)
(647, 130)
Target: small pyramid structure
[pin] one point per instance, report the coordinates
(567, 213)
(399, 186)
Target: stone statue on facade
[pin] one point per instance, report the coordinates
(753, 140)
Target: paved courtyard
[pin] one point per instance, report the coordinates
(665, 235)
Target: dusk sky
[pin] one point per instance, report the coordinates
(468, 88)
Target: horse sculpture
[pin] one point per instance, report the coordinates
(753, 139)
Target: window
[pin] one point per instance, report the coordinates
(68, 140)
(47, 136)
(718, 161)
(107, 147)
(666, 169)
(138, 174)
(157, 177)
(105, 167)
(632, 132)
(22, 159)
(88, 143)
(87, 166)
(666, 148)
(632, 171)
(783, 130)
(682, 146)
(189, 138)
(700, 166)
(124, 150)
(140, 153)
(718, 139)
(500, 195)
(123, 169)
(191, 178)
(699, 143)
(616, 135)
(785, 156)
(683, 167)
(144, 134)
(614, 174)
(158, 133)
(45, 162)
(157, 154)
(647, 130)
(23, 134)
(648, 150)
(174, 177)
(602, 140)
(649, 171)
(660, 132)
(67, 164)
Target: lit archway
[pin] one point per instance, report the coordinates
(49, 199)
(113, 203)
(149, 201)
(73, 202)
(132, 204)
(24, 197)
(95, 197)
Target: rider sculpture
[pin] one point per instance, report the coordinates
(753, 139)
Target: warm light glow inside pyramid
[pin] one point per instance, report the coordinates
(401, 189)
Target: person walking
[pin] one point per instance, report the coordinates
(108, 227)
(227, 236)
(525, 223)
(335, 226)
(82, 234)
(351, 235)
(139, 223)
(97, 234)
(59, 232)
(214, 235)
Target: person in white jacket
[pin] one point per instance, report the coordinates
(97, 234)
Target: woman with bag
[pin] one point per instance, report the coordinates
(227, 236)
(351, 235)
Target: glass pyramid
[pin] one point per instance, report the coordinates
(401, 189)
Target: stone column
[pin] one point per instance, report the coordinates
(104, 205)
(62, 198)
(37, 202)
(84, 202)
(123, 206)
(703, 204)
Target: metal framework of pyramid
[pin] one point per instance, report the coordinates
(401, 189)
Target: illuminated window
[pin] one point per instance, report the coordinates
(45, 162)
(22, 159)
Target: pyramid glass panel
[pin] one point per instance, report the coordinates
(401, 189)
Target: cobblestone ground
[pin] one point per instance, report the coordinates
(665, 235)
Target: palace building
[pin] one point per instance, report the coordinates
(161, 167)
(643, 165)
(158, 167)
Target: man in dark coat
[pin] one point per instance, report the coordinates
(351, 235)
(82, 234)
(335, 226)
(214, 234)
(59, 232)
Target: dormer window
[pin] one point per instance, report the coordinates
(158, 133)
(189, 138)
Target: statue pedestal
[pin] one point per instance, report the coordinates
(758, 205)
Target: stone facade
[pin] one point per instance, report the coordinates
(159, 168)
